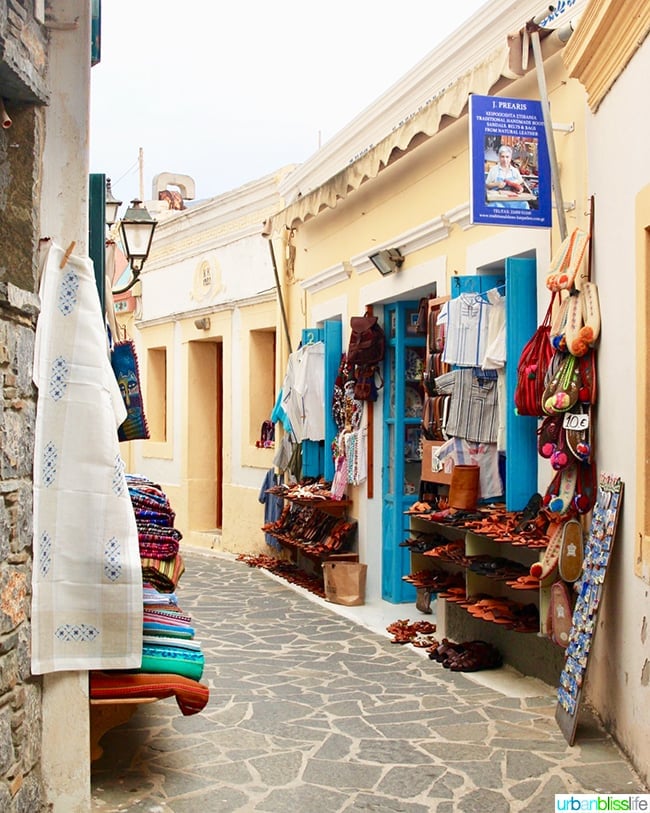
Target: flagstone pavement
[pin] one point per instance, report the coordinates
(310, 711)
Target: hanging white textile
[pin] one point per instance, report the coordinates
(466, 322)
(303, 394)
(87, 575)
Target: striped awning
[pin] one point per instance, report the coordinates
(451, 101)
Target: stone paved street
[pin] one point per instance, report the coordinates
(310, 711)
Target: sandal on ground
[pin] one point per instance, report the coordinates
(477, 655)
(445, 650)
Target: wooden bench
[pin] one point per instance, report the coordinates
(109, 713)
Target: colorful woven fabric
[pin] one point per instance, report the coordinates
(163, 574)
(191, 696)
(171, 615)
(158, 550)
(167, 630)
(151, 533)
(174, 659)
(163, 519)
(153, 597)
(191, 645)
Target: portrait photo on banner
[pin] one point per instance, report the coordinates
(510, 176)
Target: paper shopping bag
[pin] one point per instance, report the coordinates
(345, 582)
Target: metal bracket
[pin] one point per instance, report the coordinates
(567, 205)
(569, 127)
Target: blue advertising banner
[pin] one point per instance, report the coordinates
(510, 170)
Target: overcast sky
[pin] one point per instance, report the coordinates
(230, 92)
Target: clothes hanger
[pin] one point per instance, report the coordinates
(482, 297)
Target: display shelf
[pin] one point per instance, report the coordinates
(312, 527)
(488, 596)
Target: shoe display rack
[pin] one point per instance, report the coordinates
(478, 567)
(313, 525)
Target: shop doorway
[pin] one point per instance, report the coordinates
(204, 464)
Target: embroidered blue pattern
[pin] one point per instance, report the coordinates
(50, 459)
(68, 292)
(45, 554)
(59, 378)
(77, 633)
(119, 480)
(112, 559)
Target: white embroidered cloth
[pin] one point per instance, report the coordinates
(87, 575)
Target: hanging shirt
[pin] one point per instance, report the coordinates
(484, 455)
(495, 356)
(473, 406)
(303, 392)
(495, 344)
(466, 321)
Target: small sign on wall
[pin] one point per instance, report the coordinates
(510, 170)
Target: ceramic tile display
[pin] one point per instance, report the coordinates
(598, 550)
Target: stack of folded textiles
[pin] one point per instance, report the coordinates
(168, 643)
(162, 563)
(172, 660)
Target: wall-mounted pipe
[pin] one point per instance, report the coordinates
(5, 121)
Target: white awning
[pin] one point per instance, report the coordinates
(450, 101)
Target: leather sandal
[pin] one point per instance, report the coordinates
(546, 566)
(560, 614)
(585, 491)
(579, 440)
(567, 260)
(476, 656)
(563, 389)
(562, 490)
(571, 551)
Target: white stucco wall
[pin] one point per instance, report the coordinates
(240, 269)
(618, 138)
(64, 216)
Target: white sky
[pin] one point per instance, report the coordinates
(230, 92)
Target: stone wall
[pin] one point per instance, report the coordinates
(23, 61)
(20, 693)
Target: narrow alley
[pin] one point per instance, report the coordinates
(311, 711)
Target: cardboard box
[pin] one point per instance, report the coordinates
(430, 472)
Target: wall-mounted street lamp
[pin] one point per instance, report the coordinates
(112, 204)
(137, 228)
(387, 260)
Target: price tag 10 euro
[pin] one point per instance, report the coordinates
(576, 422)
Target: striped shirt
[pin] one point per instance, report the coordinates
(473, 406)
